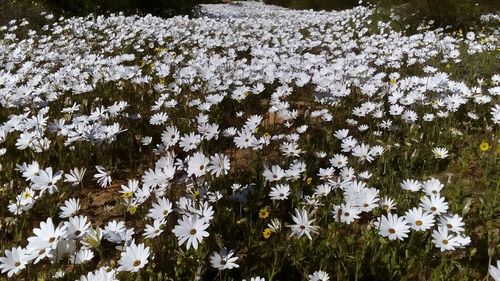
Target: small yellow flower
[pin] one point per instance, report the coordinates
(132, 210)
(127, 194)
(309, 181)
(196, 194)
(448, 66)
(484, 146)
(263, 213)
(266, 233)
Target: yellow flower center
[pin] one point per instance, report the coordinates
(266, 233)
(127, 194)
(484, 146)
(263, 213)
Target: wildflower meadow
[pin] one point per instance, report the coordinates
(251, 142)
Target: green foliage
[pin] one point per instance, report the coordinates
(314, 4)
(21, 9)
(163, 8)
(459, 14)
(31, 9)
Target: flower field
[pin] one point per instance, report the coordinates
(250, 143)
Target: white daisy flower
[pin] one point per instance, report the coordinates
(191, 230)
(133, 258)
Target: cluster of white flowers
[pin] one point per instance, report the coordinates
(449, 234)
(48, 83)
